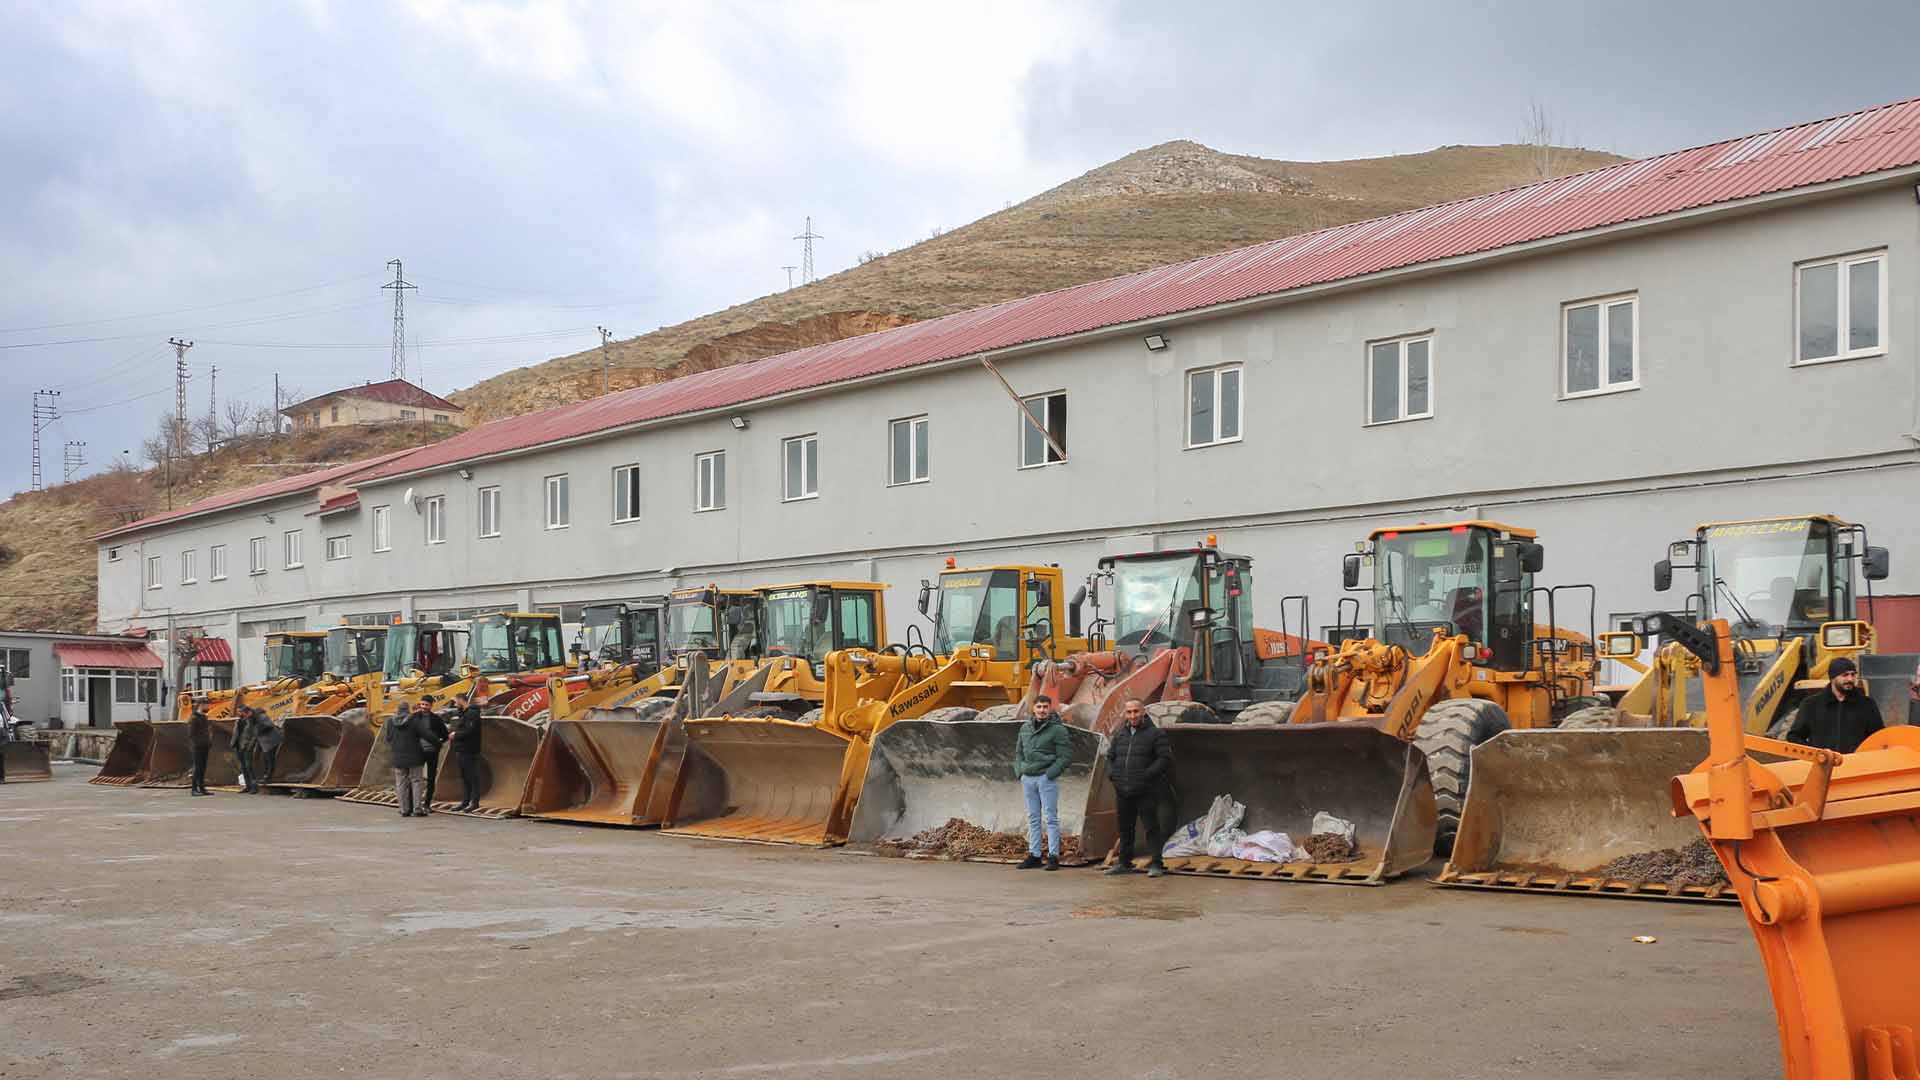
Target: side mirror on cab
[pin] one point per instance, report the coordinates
(1663, 575)
(1877, 564)
(1350, 571)
(1073, 612)
(1533, 558)
(926, 595)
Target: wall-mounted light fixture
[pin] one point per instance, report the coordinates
(269, 518)
(466, 474)
(739, 422)
(1156, 342)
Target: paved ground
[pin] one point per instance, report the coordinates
(143, 933)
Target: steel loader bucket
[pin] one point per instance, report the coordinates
(507, 747)
(923, 773)
(1548, 809)
(21, 761)
(169, 755)
(375, 785)
(323, 754)
(603, 768)
(127, 762)
(762, 778)
(1284, 775)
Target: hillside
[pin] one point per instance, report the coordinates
(1164, 204)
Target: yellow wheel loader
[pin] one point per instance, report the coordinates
(327, 736)
(1583, 812)
(21, 759)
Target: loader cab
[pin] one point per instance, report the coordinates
(352, 651)
(508, 642)
(1473, 578)
(812, 619)
(1013, 609)
(1777, 578)
(722, 623)
(620, 634)
(296, 654)
(423, 648)
(1199, 598)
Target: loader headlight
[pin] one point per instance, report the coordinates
(1619, 643)
(1839, 635)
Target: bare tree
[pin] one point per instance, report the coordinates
(1540, 133)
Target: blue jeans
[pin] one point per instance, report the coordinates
(1043, 797)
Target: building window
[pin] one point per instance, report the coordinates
(339, 547)
(257, 555)
(1841, 308)
(1399, 380)
(336, 414)
(437, 520)
(294, 558)
(217, 562)
(440, 418)
(907, 443)
(1048, 409)
(408, 414)
(153, 571)
(189, 568)
(801, 458)
(113, 554)
(73, 688)
(18, 662)
(710, 481)
(382, 528)
(559, 508)
(1601, 351)
(1213, 405)
(123, 688)
(313, 418)
(490, 511)
(626, 493)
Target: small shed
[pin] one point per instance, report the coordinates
(101, 682)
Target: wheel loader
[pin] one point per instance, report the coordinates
(1550, 811)
(621, 635)
(328, 735)
(21, 759)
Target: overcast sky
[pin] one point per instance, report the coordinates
(240, 173)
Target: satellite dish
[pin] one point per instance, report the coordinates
(407, 497)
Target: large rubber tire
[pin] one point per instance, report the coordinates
(951, 714)
(1584, 701)
(1163, 713)
(1266, 712)
(811, 716)
(653, 708)
(1447, 735)
(1593, 716)
(1009, 711)
(1784, 724)
(779, 712)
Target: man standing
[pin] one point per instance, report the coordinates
(1838, 718)
(438, 728)
(243, 746)
(466, 747)
(1138, 759)
(200, 741)
(1041, 755)
(267, 738)
(410, 740)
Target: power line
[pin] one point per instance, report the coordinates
(399, 285)
(181, 311)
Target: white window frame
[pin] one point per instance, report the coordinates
(113, 554)
(154, 572)
(257, 555)
(217, 563)
(293, 545)
(626, 486)
(345, 548)
(1240, 405)
(408, 414)
(704, 462)
(1631, 299)
(383, 528)
(441, 418)
(1400, 344)
(1044, 414)
(488, 503)
(559, 510)
(190, 566)
(434, 511)
(918, 471)
(809, 485)
(1842, 323)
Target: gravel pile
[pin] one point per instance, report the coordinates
(1695, 864)
(962, 839)
(1331, 847)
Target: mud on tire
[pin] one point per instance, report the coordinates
(1447, 735)
(951, 714)
(1009, 711)
(1266, 712)
(1163, 713)
(1593, 716)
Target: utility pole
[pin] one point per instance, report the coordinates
(789, 270)
(273, 414)
(180, 377)
(807, 236)
(606, 360)
(399, 285)
(46, 409)
(75, 454)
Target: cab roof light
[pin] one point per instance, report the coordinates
(950, 562)
(1459, 528)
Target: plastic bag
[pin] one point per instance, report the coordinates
(1222, 844)
(1191, 838)
(1324, 823)
(1267, 846)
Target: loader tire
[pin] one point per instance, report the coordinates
(1584, 701)
(778, 712)
(951, 714)
(1447, 735)
(1009, 711)
(811, 716)
(1784, 724)
(1267, 712)
(1163, 713)
(653, 708)
(1593, 716)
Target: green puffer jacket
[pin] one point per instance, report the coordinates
(1043, 750)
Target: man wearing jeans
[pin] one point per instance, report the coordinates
(1041, 756)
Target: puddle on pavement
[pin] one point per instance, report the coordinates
(1134, 911)
(46, 984)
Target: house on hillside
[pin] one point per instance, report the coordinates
(395, 401)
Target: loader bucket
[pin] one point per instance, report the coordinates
(603, 768)
(375, 785)
(22, 760)
(507, 747)
(923, 773)
(1549, 809)
(1285, 774)
(169, 757)
(127, 762)
(322, 754)
(762, 778)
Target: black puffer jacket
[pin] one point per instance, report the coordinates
(409, 736)
(466, 731)
(1832, 723)
(1138, 758)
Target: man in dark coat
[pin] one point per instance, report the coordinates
(200, 741)
(1839, 717)
(438, 727)
(267, 738)
(1139, 758)
(410, 739)
(243, 749)
(466, 747)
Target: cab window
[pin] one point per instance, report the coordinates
(856, 622)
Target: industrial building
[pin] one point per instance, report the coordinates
(81, 680)
(1611, 357)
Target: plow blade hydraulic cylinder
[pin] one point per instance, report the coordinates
(1284, 775)
(323, 754)
(21, 761)
(605, 768)
(1548, 810)
(127, 762)
(923, 773)
(764, 779)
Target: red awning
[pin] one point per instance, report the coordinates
(214, 650)
(338, 504)
(88, 654)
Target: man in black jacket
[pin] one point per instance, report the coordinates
(438, 727)
(243, 747)
(410, 740)
(1839, 717)
(200, 740)
(267, 738)
(466, 748)
(1139, 758)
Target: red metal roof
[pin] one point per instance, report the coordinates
(214, 650)
(1843, 147)
(286, 485)
(108, 656)
(338, 503)
(393, 391)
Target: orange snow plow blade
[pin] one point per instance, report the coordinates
(765, 779)
(923, 773)
(322, 754)
(21, 761)
(1285, 774)
(126, 763)
(604, 769)
(1548, 810)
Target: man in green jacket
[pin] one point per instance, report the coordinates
(1041, 757)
